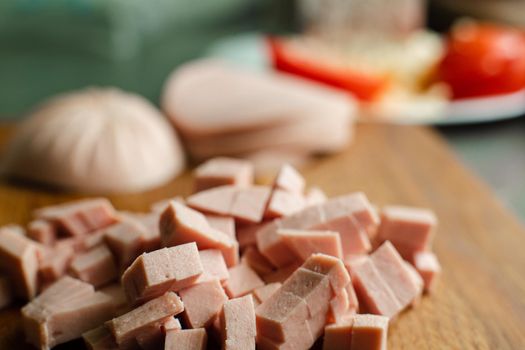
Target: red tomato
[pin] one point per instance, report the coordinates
(363, 86)
(484, 59)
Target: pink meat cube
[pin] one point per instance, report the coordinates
(180, 224)
(409, 229)
(280, 316)
(19, 260)
(223, 171)
(64, 311)
(307, 242)
(339, 307)
(168, 269)
(289, 179)
(160, 206)
(125, 239)
(338, 336)
(244, 204)
(99, 338)
(151, 237)
(428, 267)
(281, 274)
(366, 332)
(262, 293)
(353, 260)
(331, 267)
(256, 261)
(242, 281)
(153, 337)
(341, 215)
(246, 235)
(225, 224)
(125, 328)
(217, 200)
(237, 319)
(369, 332)
(6, 294)
(374, 294)
(395, 273)
(186, 339)
(271, 245)
(94, 239)
(54, 262)
(250, 203)
(315, 196)
(202, 303)
(314, 288)
(42, 231)
(351, 215)
(213, 265)
(80, 217)
(118, 298)
(95, 266)
(284, 203)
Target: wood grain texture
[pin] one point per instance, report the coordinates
(479, 302)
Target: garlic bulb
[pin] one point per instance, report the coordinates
(96, 140)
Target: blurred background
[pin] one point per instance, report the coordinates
(52, 46)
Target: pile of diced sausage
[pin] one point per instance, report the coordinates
(233, 266)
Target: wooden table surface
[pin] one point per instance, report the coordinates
(479, 302)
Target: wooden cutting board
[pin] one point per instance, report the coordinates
(479, 302)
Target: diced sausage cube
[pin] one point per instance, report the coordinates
(153, 337)
(168, 269)
(186, 339)
(42, 231)
(202, 303)
(262, 293)
(284, 203)
(54, 262)
(366, 332)
(217, 200)
(64, 311)
(307, 242)
(180, 224)
(282, 274)
(428, 267)
(225, 224)
(250, 203)
(256, 261)
(338, 336)
(213, 265)
(125, 239)
(315, 196)
(374, 294)
(126, 327)
(311, 286)
(238, 328)
(118, 297)
(242, 281)
(369, 332)
(95, 266)
(80, 217)
(279, 315)
(223, 171)
(330, 266)
(405, 286)
(289, 179)
(409, 229)
(99, 338)
(19, 260)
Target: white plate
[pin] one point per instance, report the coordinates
(248, 50)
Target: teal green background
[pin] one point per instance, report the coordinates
(50, 46)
